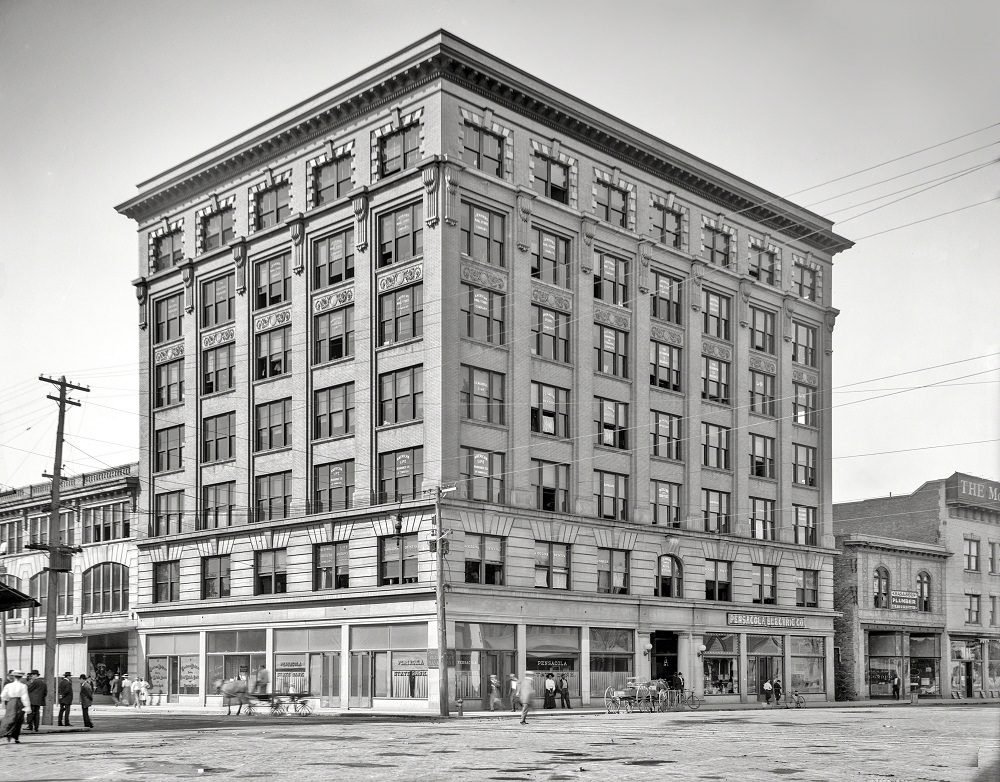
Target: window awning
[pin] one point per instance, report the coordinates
(11, 599)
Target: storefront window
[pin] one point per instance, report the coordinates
(397, 656)
(808, 663)
(611, 657)
(885, 663)
(966, 667)
(307, 661)
(482, 650)
(172, 667)
(993, 674)
(553, 650)
(721, 664)
(233, 654)
(765, 659)
(925, 665)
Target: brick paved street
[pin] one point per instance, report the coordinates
(863, 743)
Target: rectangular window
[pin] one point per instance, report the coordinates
(611, 423)
(332, 180)
(715, 511)
(399, 150)
(274, 353)
(169, 383)
(718, 585)
(218, 229)
(401, 396)
(169, 449)
(482, 472)
(166, 581)
(483, 150)
(482, 395)
(100, 524)
(971, 554)
(665, 499)
(761, 456)
(272, 282)
(219, 369)
(484, 557)
(761, 393)
(612, 204)
(804, 465)
(333, 411)
(806, 588)
(482, 235)
(765, 584)
(401, 235)
(398, 560)
(401, 315)
(803, 344)
(715, 380)
(218, 437)
(217, 504)
(169, 250)
(716, 247)
(611, 279)
(333, 486)
(550, 334)
(665, 298)
(551, 179)
(168, 315)
(218, 301)
(664, 366)
(274, 496)
(762, 265)
(482, 314)
(270, 574)
(215, 577)
(805, 283)
(994, 558)
(273, 205)
(805, 525)
(611, 495)
(611, 351)
(715, 314)
(333, 337)
(612, 571)
(972, 606)
(274, 425)
(333, 259)
(804, 405)
(549, 410)
(715, 446)
(551, 565)
(331, 566)
(168, 513)
(549, 258)
(401, 474)
(667, 225)
(761, 518)
(762, 330)
(550, 482)
(666, 434)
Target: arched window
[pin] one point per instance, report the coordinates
(38, 588)
(14, 583)
(880, 584)
(923, 592)
(105, 588)
(670, 581)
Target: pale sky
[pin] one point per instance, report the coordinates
(96, 96)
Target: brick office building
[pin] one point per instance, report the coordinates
(919, 590)
(445, 272)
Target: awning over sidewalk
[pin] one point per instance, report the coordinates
(12, 599)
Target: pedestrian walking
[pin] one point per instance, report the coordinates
(140, 689)
(895, 686)
(14, 698)
(263, 681)
(65, 695)
(525, 692)
(776, 689)
(564, 692)
(767, 692)
(38, 691)
(515, 701)
(116, 689)
(494, 692)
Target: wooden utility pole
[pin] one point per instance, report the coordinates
(60, 556)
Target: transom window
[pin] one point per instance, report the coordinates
(551, 179)
(611, 423)
(399, 151)
(611, 495)
(401, 235)
(665, 298)
(611, 351)
(273, 205)
(550, 334)
(765, 584)
(715, 511)
(483, 150)
(332, 566)
(670, 579)
(333, 259)
(551, 565)
(718, 585)
(482, 472)
(612, 571)
(332, 180)
(401, 396)
(273, 282)
(398, 560)
(482, 395)
(274, 353)
(484, 557)
(550, 258)
(217, 229)
(218, 301)
(612, 204)
(550, 482)
(270, 573)
(482, 235)
(334, 335)
(401, 315)
(665, 499)
(333, 486)
(333, 411)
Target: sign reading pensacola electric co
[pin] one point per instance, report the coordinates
(765, 620)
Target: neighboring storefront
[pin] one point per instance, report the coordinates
(612, 658)
(483, 650)
(554, 650)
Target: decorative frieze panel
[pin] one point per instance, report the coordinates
(552, 299)
(168, 353)
(332, 300)
(667, 336)
(220, 337)
(618, 320)
(715, 350)
(762, 364)
(807, 378)
(483, 277)
(400, 279)
(272, 320)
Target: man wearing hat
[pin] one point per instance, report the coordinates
(38, 691)
(14, 697)
(86, 699)
(65, 694)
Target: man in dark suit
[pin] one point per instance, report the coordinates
(65, 698)
(86, 699)
(38, 691)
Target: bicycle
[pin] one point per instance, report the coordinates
(794, 701)
(690, 700)
(297, 704)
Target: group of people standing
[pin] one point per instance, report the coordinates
(772, 687)
(126, 692)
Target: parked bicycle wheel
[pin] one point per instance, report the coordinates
(303, 708)
(277, 708)
(800, 702)
(693, 701)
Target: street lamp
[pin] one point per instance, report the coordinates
(702, 649)
(440, 544)
(647, 649)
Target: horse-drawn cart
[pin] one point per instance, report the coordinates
(634, 697)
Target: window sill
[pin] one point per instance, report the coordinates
(331, 362)
(219, 462)
(399, 425)
(479, 261)
(172, 471)
(213, 394)
(266, 451)
(333, 438)
(400, 343)
(272, 379)
(394, 267)
(171, 406)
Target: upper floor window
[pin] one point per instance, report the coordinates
(550, 483)
(612, 204)
(717, 245)
(401, 315)
(762, 330)
(274, 425)
(715, 446)
(219, 437)
(715, 380)
(611, 495)
(168, 315)
(803, 344)
(665, 298)
(972, 609)
(664, 366)
(765, 584)
(333, 337)
(217, 229)
(12, 536)
(718, 580)
(270, 572)
(397, 563)
(332, 180)
(715, 314)
(105, 588)
(333, 259)
(807, 588)
(611, 279)
(273, 205)
(549, 410)
(168, 250)
(551, 179)
(611, 422)
(215, 577)
(274, 353)
(274, 495)
(217, 505)
(805, 525)
(169, 383)
(484, 559)
(482, 235)
(218, 301)
(482, 472)
(551, 565)
(549, 334)
(666, 434)
(803, 405)
(611, 351)
(482, 395)
(272, 282)
(549, 258)
(333, 486)
(761, 518)
(38, 588)
(401, 396)
(401, 235)
(665, 500)
(805, 283)
(880, 588)
(670, 579)
(483, 150)
(331, 569)
(483, 314)
(333, 411)
(763, 263)
(612, 571)
(668, 225)
(761, 393)
(803, 464)
(971, 554)
(401, 474)
(167, 514)
(761, 456)
(166, 581)
(399, 150)
(103, 523)
(169, 449)
(994, 558)
(923, 592)
(715, 511)
(219, 368)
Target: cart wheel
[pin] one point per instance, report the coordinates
(609, 697)
(644, 698)
(277, 709)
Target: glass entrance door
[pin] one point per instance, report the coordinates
(759, 670)
(362, 680)
(324, 677)
(499, 664)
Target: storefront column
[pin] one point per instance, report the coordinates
(203, 684)
(945, 666)
(688, 662)
(745, 694)
(522, 648)
(585, 664)
(345, 667)
(831, 684)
